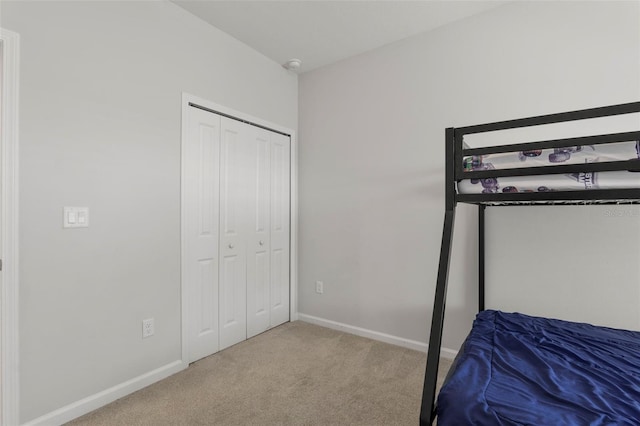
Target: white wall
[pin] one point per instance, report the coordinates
(101, 86)
(372, 158)
(579, 263)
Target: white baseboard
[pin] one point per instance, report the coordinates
(375, 335)
(100, 399)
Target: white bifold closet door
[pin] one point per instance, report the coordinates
(200, 216)
(268, 231)
(234, 206)
(279, 255)
(252, 202)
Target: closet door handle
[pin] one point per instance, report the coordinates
(231, 246)
(261, 243)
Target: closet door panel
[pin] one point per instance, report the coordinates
(280, 228)
(258, 265)
(233, 206)
(201, 199)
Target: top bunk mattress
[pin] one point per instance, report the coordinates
(620, 151)
(515, 369)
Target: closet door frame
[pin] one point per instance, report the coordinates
(187, 101)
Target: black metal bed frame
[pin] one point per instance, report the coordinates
(455, 152)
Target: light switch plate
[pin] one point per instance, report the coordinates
(75, 217)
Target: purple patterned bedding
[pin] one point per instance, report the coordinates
(620, 151)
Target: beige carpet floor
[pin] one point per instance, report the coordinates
(295, 374)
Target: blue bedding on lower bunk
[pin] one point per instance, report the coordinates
(515, 369)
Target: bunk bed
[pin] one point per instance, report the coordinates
(519, 369)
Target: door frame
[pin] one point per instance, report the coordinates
(9, 331)
(188, 99)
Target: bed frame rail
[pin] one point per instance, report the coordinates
(583, 114)
(554, 143)
(427, 413)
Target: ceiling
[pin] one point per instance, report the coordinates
(322, 32)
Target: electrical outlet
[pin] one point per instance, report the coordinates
(319, 287)
(147, 328)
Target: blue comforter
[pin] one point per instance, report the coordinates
(514, 369)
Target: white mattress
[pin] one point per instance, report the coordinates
(559, 182)
(544, 183)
